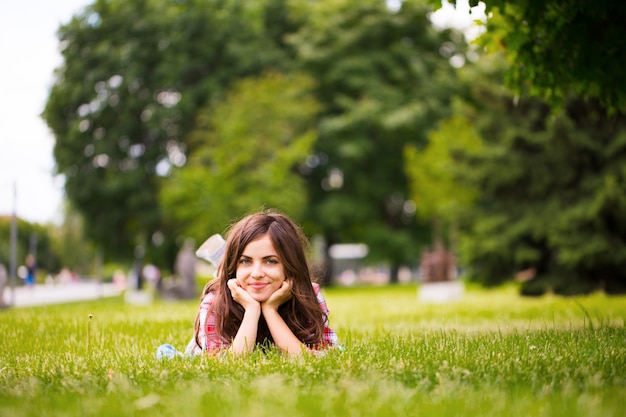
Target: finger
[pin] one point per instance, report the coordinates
(285, 289)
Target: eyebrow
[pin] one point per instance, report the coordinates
(264, 257)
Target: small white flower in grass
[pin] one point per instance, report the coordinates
(89, 331)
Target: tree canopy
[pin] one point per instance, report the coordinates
(248, 147)
(383, 82)
(133, 78)
(433, 173)
(557, 50)
(138, 78)
(550, 190)
(176, 118)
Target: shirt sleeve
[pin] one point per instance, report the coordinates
(207, 335)
(330, 337)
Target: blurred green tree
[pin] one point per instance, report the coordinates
(433, 176)
(248, 147)
(551, 190)
(560, 49)
(127, 94)
(384, 80)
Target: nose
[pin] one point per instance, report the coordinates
(257, 270)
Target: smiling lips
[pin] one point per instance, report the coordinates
(257, 285)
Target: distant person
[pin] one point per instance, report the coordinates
(31, 270)
(263, 294)
(152, 275)
(119, 280)
(3, 284)
(137, 271)
(185, 268)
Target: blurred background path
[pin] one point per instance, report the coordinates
(60, 293)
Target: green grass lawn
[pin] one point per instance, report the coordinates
(491, 354)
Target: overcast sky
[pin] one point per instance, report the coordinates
(28, 52)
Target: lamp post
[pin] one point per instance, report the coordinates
(13, 260)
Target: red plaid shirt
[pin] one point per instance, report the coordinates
(211, 341)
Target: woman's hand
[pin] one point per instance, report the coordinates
(240, 295)
(246, 335)
(281, 333)
(279, 297)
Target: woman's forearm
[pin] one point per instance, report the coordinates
(246, 335)
(281, 333)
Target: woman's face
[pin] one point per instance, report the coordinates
(259, 269)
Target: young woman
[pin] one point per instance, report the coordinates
(263, 294)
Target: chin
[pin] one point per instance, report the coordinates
(261, 297)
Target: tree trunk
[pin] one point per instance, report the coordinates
(394, 273)
(437, 233)
(325, 274)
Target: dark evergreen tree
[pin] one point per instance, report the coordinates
(551, 193)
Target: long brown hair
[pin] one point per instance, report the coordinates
(302, 313)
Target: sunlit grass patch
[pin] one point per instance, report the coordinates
(489, 354)
(496, 310)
